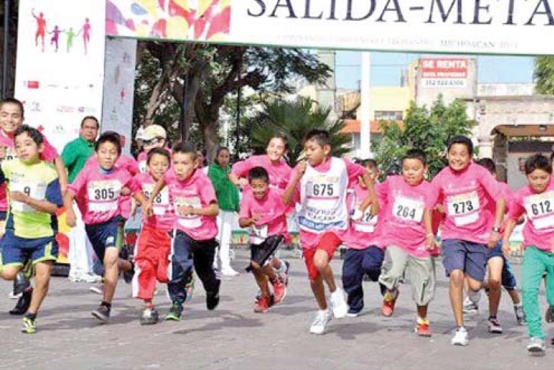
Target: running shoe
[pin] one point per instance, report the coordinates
(460, 337)
(422, 328)
(520, 314)
(320, 322)
(494, 326)
(150, 316)
(175, 312)
(389, 300)
(549, 314)
(536, 346)
(262, 305)
(102, 313)
(29, 325)
(279, 291)
(338, 303)
(23, 303)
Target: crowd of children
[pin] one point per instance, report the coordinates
(389, 228)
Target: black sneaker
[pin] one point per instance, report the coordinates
(21, 283)
(150, 316)
(102, 313)
(549, 315)
(175, 312)
(212, 298)
(23, 302)
(128, 275)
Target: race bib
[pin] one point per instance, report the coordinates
(161, 198)
(408, 209)
(322, 189)
(258, 234)
(142, 167)
(540, 210)
(9, 153)
(103, 195)
(367, 223)
(32, 189)
(186, 220)
(464, 208)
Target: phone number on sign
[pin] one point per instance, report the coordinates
(444, 83)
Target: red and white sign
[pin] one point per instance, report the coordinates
(444, 72)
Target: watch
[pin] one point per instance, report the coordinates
(496, 229)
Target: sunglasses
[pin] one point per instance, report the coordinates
(153, 141)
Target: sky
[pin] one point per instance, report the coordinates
(386, 68)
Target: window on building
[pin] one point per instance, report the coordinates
(388, 115)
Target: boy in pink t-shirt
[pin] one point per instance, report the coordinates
(193, 199)
(536, 201)
(97, 191)
(262, 211)
(466, 231)
(364, 253)
(154, 242)
(319, 185)
(408, 236)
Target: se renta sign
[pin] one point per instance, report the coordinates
(514, 27)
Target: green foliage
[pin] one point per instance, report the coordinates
(425, 130)
(295, 119)
(544, 75)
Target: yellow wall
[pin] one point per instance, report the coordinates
(388, 99)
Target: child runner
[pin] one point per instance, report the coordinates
(195, 204)
(35, 196)
(279, 175)
(319, 186)
(536, 201)
(408, 235)
(364, 254)
(499, 270)
(12, 115)
(154, 242)
(228, 201)
(466, 231)
(97, 190)
(263, 212)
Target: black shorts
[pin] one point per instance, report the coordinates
(260, 253)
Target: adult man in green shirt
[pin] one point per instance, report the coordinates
(76, 152)
(74, 156)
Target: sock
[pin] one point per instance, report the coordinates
(31, 316)
(422, 321)
(106, 304)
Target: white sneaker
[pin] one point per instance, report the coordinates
(460, 337)
(474, 296)
(91, 278)
(470, 307)
(98, 289)
(536, 346)
(15, 296)
(321, 320)
(338, 304)
(229, 272)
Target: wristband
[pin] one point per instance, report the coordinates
(496, 229)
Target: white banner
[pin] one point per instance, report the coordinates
(60, 64)
(445, 26)
(119, 84)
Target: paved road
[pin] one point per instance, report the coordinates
(233, 337)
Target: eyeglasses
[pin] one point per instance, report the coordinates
(153, 141)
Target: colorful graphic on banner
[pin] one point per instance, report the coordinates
(457, 26)
(119, 84)
(169, 19)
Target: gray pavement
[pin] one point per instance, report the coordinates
(234, 337)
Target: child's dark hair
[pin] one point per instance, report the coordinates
(488, 164)
(538, 162)
(282, 137)
(109, 137)
(321, 137)
(15, 102)
(219, 150)
(160, 151)
(415, 154)
(184, 147)
(368, 162)
(258, 173)
(32, 132)
(461, 140)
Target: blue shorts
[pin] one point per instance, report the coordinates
(469, 257)
(18, 251)
(508, 279)
(105, 235)
(3, 215)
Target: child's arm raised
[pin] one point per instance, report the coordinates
(288, 195)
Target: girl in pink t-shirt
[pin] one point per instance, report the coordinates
(262, 211)
(536, 201)
(408, 236)
(194, 202)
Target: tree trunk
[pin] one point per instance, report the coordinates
(209, 129)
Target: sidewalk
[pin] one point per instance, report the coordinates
(233, 337)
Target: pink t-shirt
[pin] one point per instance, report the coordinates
(272, 210)
(366, 231)
(196, 191)
(98, 194)
(539, 208)
(507, 194)
(163, 217)
(279, 173)
(308, 239)
(49, 154)
(404, 207)
(466, 203)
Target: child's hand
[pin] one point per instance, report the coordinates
(147, 209)
(506, 250)
(186, 210)
(493, 240)
(243, 182)
(357, 215)
(430, 242)
(301, 168)
(19, 196)
(255, 218)
(70, 218)
(125, 191)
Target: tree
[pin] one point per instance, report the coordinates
(425, 130)
(199, 77)
(544, 75)
(294, 119)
